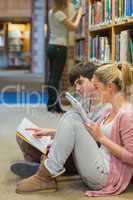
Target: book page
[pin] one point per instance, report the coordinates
(39, 143)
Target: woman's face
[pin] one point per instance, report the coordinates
(106, 91)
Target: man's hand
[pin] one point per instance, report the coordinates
(40, 132)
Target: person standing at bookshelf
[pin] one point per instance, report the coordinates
(107, 169)
(59, 25)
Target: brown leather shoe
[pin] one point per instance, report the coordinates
(41, 181)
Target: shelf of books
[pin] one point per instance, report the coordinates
(81, 39)
(110, 31)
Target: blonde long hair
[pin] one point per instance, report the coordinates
(121, 75)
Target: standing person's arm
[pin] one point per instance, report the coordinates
(73, 17)
(73, 24)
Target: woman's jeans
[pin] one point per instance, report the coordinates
(72, 136)
(57, 58)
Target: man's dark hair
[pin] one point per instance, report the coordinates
(86, 70)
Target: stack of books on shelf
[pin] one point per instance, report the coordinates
(123, 9)
(79, 50)
(100, 12)
(100, 49)
(124, 46)
(81, 33)
(106, 34)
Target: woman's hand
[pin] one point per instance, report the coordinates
(40, 132)
(94, 130)
(80, 11)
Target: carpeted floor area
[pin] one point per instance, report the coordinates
(69, 189)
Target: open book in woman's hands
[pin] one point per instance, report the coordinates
(78, 107)
(39, 143)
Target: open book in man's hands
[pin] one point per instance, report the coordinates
(78, 107)
(39, 143)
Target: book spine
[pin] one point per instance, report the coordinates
(118, 48)
(107, 10)
(131, 7)
(128, 8)
(119, 8)
(116, 8)
(90, 15)
(110, 10)
(102, 49)
(123, 46)
(123, 8)
(131, 48)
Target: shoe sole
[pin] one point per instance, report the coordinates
(24, 169)
(37, 191)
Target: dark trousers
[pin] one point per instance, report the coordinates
(57, 57)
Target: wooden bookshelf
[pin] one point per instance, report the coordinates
(124, 22)
(114, 21)
(100, 27)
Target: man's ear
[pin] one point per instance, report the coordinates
(110, 85)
